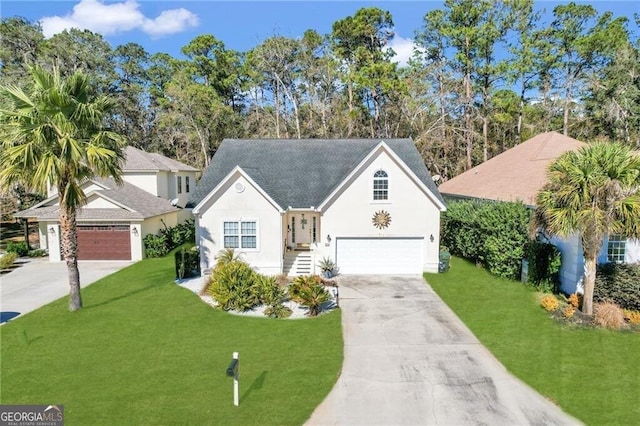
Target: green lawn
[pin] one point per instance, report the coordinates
(144, 351)
(592, 374)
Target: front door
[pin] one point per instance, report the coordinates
(303, 228)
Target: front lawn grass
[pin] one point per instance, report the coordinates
(593, 374)
(144, 351)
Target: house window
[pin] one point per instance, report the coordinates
(240, 234)
(616, 248)
(293, 230)
(179, 184)
(314, 226)
(380, 185)
(186, 184)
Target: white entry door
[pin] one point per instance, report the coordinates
(303, 229)
(380, 255)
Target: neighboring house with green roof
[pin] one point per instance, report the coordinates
(368, 204)
(116, 218)
(517, 175)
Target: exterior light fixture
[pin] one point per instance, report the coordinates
(328, 238)
(431, 238)
(134, 231)
(52, 230)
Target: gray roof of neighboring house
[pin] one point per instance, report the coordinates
(301, 172)
(151, 161)
(143, 204)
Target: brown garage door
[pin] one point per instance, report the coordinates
(104, 242)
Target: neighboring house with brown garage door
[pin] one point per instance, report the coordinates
(116, 218)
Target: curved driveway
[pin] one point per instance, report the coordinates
(408, 360)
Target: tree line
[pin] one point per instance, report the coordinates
(484, 76)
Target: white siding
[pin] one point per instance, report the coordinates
(248, 204)
(42, 235)
(154, 224)
(53, 241)
(96, 202)
(413, 214)
(147, 181)
(136, 241)
(632, 251)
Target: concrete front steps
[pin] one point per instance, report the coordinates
(298, 263)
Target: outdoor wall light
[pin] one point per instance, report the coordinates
(431, 238)
(134, 231)
(52, 230)
(328, 238)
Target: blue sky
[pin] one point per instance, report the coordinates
(166, 26)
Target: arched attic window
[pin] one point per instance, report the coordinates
(380, 185)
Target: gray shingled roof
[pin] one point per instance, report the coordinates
(142, 203)
(152, 161)
(301, 172)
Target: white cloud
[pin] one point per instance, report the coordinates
(112, 18)
(403, 48)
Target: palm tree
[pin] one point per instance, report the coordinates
(54, 135)
(592, 192)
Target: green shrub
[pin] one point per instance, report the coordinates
(278, 311)
(544, 266)
(19, 248)
(618, 283)
(187, 263)
(233, 286)
(7, 260)
(313, 297)
(299, 283)
(37, 253)
(491, 233)
(308, 291)
(269, 291)
(169, 238)
(155, 245)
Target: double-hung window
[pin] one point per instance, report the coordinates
(179, 184)
(186, 184)
(616, 248)
(380, 186)
(240, 234)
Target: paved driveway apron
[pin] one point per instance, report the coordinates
(38, 282)
(408, 360)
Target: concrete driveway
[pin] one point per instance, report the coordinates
(410, 361)
(38, 282)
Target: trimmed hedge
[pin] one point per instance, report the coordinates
(493, 234)
(544, 265)
(618, 283)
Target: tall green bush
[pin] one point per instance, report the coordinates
(544, 265)
(618, 283)
(169, 238)
(187, 263)
(491, 233)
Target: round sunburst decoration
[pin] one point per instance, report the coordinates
(381, 219)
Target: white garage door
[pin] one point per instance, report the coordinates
(379, 255)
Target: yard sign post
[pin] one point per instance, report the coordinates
(234, 371)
